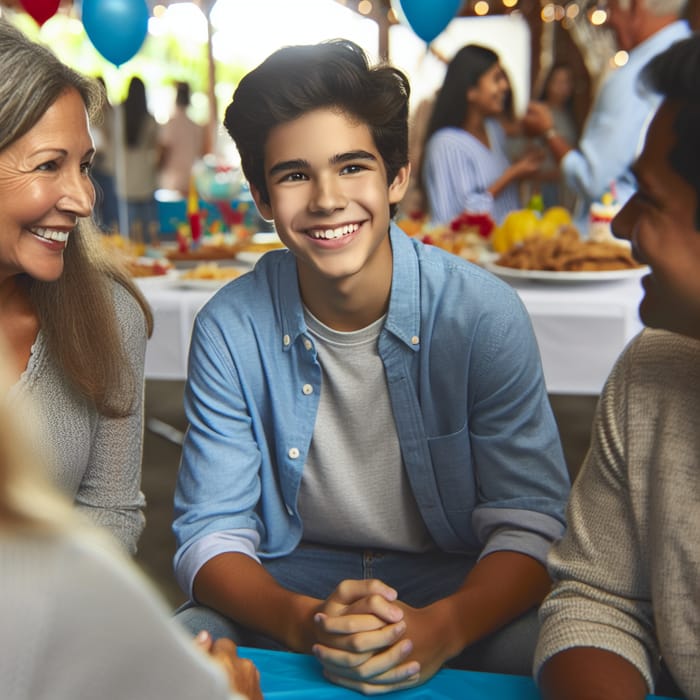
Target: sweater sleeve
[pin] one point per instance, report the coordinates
(601, 596)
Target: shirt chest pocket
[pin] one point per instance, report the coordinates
(454, 473)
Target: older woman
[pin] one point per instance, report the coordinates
(75, 323)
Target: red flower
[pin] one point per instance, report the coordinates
(483, 223)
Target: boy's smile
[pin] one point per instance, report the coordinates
(329, 198)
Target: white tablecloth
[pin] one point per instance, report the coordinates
(580, 328)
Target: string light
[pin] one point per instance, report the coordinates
(620, 58)
(598, 17)
(364, 7)
(547, 13)
(481, 8)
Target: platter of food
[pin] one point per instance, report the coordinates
(206, 276)
(567, 258)
(257, 246)
(566, 276)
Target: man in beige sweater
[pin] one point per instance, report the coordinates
(623, 618)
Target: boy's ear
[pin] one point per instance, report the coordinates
(263, 207)
(397, 189)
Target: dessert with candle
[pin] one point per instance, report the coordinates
(600, 217)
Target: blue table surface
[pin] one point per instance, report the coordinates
(291, 676)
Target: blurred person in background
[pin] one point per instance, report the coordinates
(623, 617)
(465, 165)
(106, 210)
(82, 620)
(558, 94)
(141, 157)
(182, 143)
(614, 131)
(75, 323)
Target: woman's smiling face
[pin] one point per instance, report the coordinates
(45, 188)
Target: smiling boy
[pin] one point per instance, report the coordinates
(372, 471)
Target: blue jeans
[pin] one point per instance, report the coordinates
(420, 579)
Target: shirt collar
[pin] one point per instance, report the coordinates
(403, 316)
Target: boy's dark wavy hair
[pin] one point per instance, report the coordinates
(299, 79)
(675, 74)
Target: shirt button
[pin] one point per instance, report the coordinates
(307, 344)
(415, 340)
(286, 340)
(293, 453)
(307, 389)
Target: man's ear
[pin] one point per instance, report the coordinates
(398, 187)
(263, 207)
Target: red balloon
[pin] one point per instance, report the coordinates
(41, 10)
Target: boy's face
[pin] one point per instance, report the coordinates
(329, 198)
(659, 221)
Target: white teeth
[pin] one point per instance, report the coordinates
(51, 234)
(332, 233)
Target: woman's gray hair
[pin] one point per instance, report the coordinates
(33, 78)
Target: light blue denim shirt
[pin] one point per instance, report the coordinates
(477, 435)
(616, 127)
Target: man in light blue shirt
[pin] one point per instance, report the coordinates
(372, 472)
(615, 129)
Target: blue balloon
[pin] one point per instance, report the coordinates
(117, 28)
(428, 18)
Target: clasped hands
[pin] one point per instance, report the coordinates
(368, 640)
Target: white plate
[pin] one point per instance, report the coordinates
(566, 277)
(176, 279)
(249, 257)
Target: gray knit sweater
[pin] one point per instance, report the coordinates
(627, 571)
(95, 461)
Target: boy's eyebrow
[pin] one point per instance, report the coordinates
(301, 164)
(297, 164)
(353, 155)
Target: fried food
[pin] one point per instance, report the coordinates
(566, 252)
(211, 271)
(206, 252)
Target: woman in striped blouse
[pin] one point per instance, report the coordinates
(465, 166)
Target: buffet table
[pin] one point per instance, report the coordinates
(297, 676)
(580, 328)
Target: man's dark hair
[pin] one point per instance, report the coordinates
(675, 74)
(299, 79)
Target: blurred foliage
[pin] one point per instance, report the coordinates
(161, 62)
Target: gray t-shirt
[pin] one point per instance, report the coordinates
(355, 491)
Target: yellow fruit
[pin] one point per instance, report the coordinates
(557, 215)
(500, 240)
(548, 228)
(520, 224)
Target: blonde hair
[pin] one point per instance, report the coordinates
(76, 312)
(27, 500)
